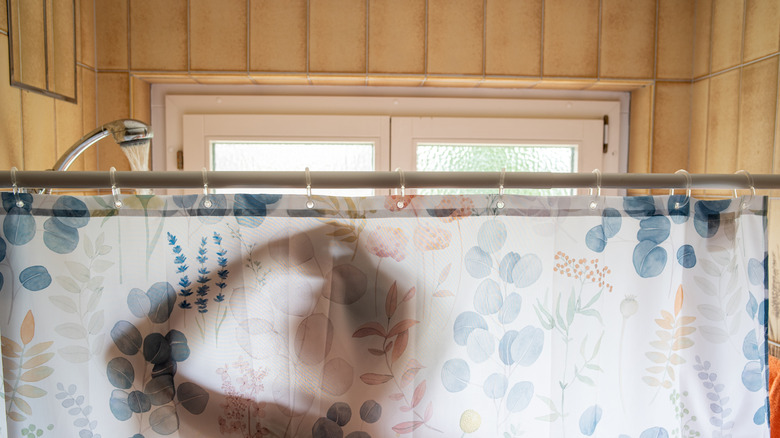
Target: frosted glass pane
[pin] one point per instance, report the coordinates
(492, 158)
(294, 156)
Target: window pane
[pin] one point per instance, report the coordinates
(294, 156)
(494, 157)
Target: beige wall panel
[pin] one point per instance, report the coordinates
(514, 33)
(158, 35)
(337, 36)
(627, 38)
(722, 123)
(86, 29)
(10, 115)
(671, 126)
(29, 45)
(141, 92)
(68, 129)
(727, 17)
(3, 16)
(87, 97)
(113, 102)
(38, 131)
(455, 36)
(111, 34)
(396, 36)
(762, 28)
(697, 155)
(776, 163)
(277, 35)
(758, 104)
(218, 36)
(675, 39)
(63, 68)
(571, 38)
(702, 42)
(640, 129)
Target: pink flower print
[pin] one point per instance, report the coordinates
(458, 207)
(428, 238)
(391, 202)
(387, 242)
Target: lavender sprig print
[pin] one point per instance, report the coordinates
(222, 273)
(720, 412)
(180, 259)
(202, 290)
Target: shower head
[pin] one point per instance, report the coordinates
(126, 132)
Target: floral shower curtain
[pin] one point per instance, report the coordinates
(431, 316)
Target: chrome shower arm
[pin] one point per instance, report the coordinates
(124, 132)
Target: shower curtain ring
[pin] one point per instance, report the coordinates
(500, 204)
(687, 175)
(400, 203)
(309, 203)
(744, 204)
(595, 203)
(206, 198)
(19, 203)
(114, 189)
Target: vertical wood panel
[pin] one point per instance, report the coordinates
(727, 17)
(337, 36)
(762, 28)
(277, 33)
(112, 103)
(627, 47)
(514, 33)
(701, 42)
(218, 36)
(697, 156)
(571, 38)
(455, 36)
(671, 126)
(675, 39)
(11, 150)
(38, 131)
(757, 109)
(158, 35)
(722, 123)
(640, 131)
(111, 33)
(396, 38)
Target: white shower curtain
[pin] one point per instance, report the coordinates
(429, 316)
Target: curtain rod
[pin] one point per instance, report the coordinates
(31, 179)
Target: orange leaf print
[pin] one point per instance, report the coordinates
(678, 301)
(27, 331)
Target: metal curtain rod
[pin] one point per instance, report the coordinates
(381, 180)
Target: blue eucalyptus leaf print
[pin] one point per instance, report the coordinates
(756, 271)
(686, 256)
(118, 405)
(192, 397)
(760, 416)
(477, 262)
(162, 297)
(180, 349)
(679, 208)
(250, 210)
(706, 218)
(752, 306)
(491, 236)
(35, 278)
(160, 389)
(507, 265)
(185, 202)
(71, 211)
(655, 432)
(138, 402)
(164, 420)
(213, 214)
(595, 239)
(455, 375)
(750, 346)
(120, 373)
(753, 376)
(762, 311)
(466, 323)
(527, 270)
(156, 348)
(639, 207)
(59, 237)
(527, 346)
(495, 386)
(2, 249)
(649, 259)
(2, 281)
(480, 345)
(654, 228)
(519, 396)
(18, 226)
(127, 338)
(139, 303)
(505, 347)
(589, 419)
(510, 309)
(9, 201)
(611, 221)
(488, 299)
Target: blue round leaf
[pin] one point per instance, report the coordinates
(215, 213)
(59, 237)
(495, 386)
(340, 413)
(478, 263)
(649, 259)
(180, 351)
(455, 375)
(655, 432)
(654, 228)
(71, 211)
(519, 396)
(2, 249)
(185, 202)
(750, 346)
(370, 411)
(157, 349)
(164, 420)
(589, 419)
(527, 270)
(716, 206)
(510, 309)
(126, 337)
(595, 239)
(706, 217)
(118, 405)
(505, 347)
(18, 226)
(464, 324)
(9, 201)
(527, 346)
(488, 299)
(35, 278)
(138, 303)
(679, 208)
(160, 389)
(138, 402)
(480, 346)
(762, 311)
(686, 256)
(759, 417)
(753, 376)
(755, 271)
(162, 297)
(2, 280)
(611, 221)
(491, 236)
(639, 207)
(507, 265)
(120, 373)
(249, 210)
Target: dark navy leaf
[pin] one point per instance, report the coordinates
(163, 299)
(753, 376)
(370, 411)
(649, 259)
(655, 432)
(527, 270)
(138, 402)
(639, 206)
(464, 324)
(654, 228)
(18, 226)
(679, 214)
(589, 419)
(168, 368)
(507, 265)
(326, 428)
(2, 249)
(706, 218)
(478, 263)
(35, 278)
(756, 271)
(455, 375)
(192, 397)
(160, 389)
(179, 349)
(120, 373)
(505, 347)
(595, 239)
(686, 256)
(750, 346)
(249, 210)
(716, 206)
(157, 349)
(495, 386)
(2, 281)
(71, 211)
(510, 309)
(164, 420)
(488, 299)
(762, 311)
(340, 413)
(9, 201)
(528, 345)
(611, 221)
(126, 337)
(59, 237)
(138, 303)
(118, 405)
(519, 396)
